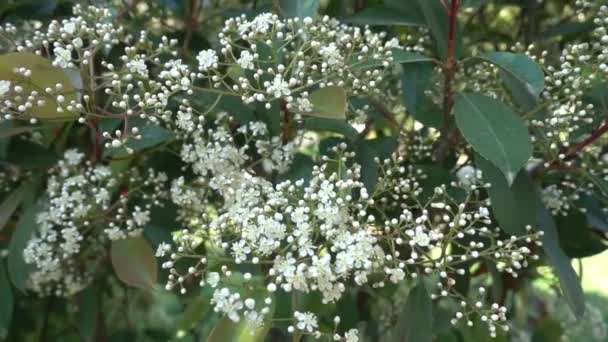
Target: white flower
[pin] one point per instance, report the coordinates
(63, 57)
(77, 42)
(5, 87)
(69, 27)
(421, 238)
(246, 60)
(138, 66)
(304, 105)
(279, 87)
(213, 278)
(467, 175)
(162, 249)
(73, 157)
(207, 59)
(307, 321)
(331, 54)
(352, 336)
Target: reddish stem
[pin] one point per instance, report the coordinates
(588, 141)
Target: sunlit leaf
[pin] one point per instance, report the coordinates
(329, 102)
(44, 75)
(134, 262)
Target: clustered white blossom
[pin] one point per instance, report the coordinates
(324, 235)
(81, 213)
(247, 233)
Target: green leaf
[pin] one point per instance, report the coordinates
(7, 130)
(329, 103)
(195, 312)
(18, 269)
(44, 75)
(506, 200)
(494, 131)
(11, 203)
(415, 323)
(399, 57)
(436, 18)
(337, 126)
(548, 330)
(223, 331)
(29, 155)
(300, 169)
(415, 80)
(134, 262)
(366, 153)
(88, 307)
(7, 302)
(398, 13)
(151, 135)
(523, 69)
(576, 238)
(569, 281)
(299, 8)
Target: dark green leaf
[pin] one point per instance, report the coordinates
(548, 330)
(300, 8)
(415, 80)
(494, 131)
(134, 262)
(18, 269)
(195, 312)
(436, 18)
(29, 155)
(88, 307)
(575, 237)
(367, 151)
(7, 302)
(415, 323)
(399, 57)
(151, 135)
(506, 200)
(569, 281)
(10, 204)
(300, 169)
(337, 126)
(525, 70)
(391, 13)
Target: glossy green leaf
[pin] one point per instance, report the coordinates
(569, 281)
(88, 307)
(151, 135)
(523, 69)
(494, 131)
(576, 238)
(195, 312)
(366, 153)
(11, 203)
(7, 302)
(44, 75)
(30, 155)
(399, 57)
(506, 200)
(329, 103)
(415, 80)
(134, 262)
(18, 269)
(398, 13)
(436, 19)
(415, 323)
(337, 126)
(299, 8)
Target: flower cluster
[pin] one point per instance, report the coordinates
(324, 235)
(82, 213)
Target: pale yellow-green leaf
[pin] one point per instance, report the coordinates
(134, 262)
(44, 75)
(329, 102)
